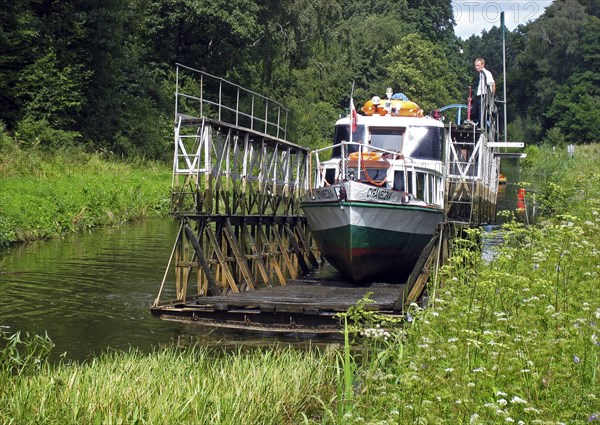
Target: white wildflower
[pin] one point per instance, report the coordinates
(518, 400)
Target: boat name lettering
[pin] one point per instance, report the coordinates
(381, 194)
(325, 194)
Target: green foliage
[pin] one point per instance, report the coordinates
(554, 77)
(6, 141)
(105, 72)
(51, 92)
(311, 125)
(39, 132)
(555, 138)
(575, 110)
(419, 69)
(22, 355)
(45, 194)
(432, 18)
(522, 129)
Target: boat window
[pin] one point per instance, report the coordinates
(409, 182)
(342, 134)
(431, 188)
(387, 138)
(424, 142)
(420, 186)
(330, 176)
(399, 183)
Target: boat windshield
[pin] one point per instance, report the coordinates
(423, 142)
(342, 134)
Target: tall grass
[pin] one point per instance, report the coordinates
(515, 339)
(46, 193)
(195, 386)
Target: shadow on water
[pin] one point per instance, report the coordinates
(93, 291)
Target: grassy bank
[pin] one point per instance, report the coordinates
(44, 194)
(513, 339)
(193, 386)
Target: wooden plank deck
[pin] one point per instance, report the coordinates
(303, 305)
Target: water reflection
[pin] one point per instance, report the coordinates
(93, 291)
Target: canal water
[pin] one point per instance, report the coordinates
(92, 292)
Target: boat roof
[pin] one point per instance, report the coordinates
(392, 121)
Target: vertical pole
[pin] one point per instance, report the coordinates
(504, 70)
(237, 107)
(266, 116)
(220, 96)
(278, 120)
(176, 89)
(252, 114)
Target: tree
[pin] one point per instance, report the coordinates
(419, 69)
(551, 54)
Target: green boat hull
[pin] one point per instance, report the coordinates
(365, 254)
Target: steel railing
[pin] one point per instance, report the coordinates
(202, 95)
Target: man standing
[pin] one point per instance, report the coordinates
(486, 86)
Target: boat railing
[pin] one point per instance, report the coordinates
(364, 150)
(202, 95)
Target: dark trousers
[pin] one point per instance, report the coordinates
(476, 109)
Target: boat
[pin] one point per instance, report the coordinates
(379, 198)
(502, 179)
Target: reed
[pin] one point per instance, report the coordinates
(194, 385)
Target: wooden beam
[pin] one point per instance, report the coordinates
(202, 263)
(418, 277)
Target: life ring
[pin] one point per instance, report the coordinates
(371, 108)
(370, 156)
(405, 108)
(398, 108)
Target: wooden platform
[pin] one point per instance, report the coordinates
(302, 306)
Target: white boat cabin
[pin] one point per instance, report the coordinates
(400, 153)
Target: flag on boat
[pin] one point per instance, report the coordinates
(353, 116)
